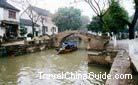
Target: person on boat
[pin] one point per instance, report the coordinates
(67, 47)
(63, 46)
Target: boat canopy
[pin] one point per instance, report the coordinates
(74, 43)
(70, 43)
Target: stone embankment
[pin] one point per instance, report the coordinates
(121, 66)
(14, 49)
(102, 58)
(115, 58)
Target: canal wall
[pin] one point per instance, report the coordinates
(120, 66)
(102, 58)
(119, 62)
(28, 47)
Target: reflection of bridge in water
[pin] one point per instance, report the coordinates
(91, 41)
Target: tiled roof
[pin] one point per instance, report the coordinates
(40, 11)
(6, 5)
(27, 22)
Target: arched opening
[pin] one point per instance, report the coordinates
(81, 44)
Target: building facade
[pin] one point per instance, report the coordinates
(9, 19)
(27, 24)
(46, 26)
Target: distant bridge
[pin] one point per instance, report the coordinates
(92, 42)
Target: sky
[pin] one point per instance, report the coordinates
(53, 5)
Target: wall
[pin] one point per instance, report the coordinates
(6, 16)
(2, 31)
(1, 13)
(121, 66)
(50, 25)
(47, 22)
(29, 29)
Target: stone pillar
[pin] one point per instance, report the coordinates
(114, 41)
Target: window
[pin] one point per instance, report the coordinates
(12, 14)
(44, 30)
(53, 29)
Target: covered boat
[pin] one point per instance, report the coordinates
(68, 47)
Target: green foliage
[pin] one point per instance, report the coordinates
(23, 31)
(114, 19)
(68, 18)
(95, 25)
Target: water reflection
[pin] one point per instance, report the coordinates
(23, 70)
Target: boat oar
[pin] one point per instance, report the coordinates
(59, 51)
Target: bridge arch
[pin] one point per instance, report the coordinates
(83, 38)
(91, 41)
(61, 37)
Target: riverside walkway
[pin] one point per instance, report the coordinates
(127, 51)
(14, 43)
(124, 44)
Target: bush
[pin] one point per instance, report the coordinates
(30, 35)
(23, 31)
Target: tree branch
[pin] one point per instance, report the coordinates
(92, 6)
(98, 7)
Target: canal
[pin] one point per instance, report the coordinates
(24, 70)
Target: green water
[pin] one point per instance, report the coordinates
(23, 70)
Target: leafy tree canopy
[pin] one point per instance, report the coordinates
(68, 18)
(95, 25)
(114, 19)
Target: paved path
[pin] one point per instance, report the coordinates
(124, 44)
(14, 43)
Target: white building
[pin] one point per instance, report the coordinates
(9, 19)
(26, 23)
(46, 26)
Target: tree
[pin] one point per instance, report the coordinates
(95, 25)
(113, 19)
(136, 26)
(68, 19)
(23, 31)
(96, 9)
(132, 24)
(26, 6)
(100, 8)
(34, 17)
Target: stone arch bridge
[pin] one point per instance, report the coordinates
(92, 42)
